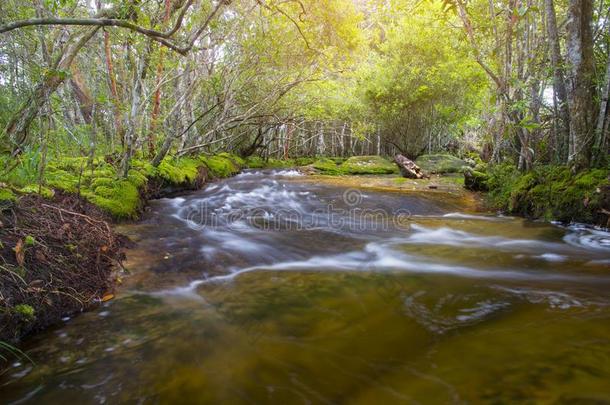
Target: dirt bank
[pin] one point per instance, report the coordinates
(56, 256)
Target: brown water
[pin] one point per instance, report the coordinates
(268, 289)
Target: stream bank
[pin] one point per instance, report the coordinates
(59, 249)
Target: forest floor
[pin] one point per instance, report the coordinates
(57, 258)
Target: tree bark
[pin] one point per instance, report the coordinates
(582, 90)
(113, 87)
(601, 132)
(559, 87)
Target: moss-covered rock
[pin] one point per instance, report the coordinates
(328, 166)
(441, 164)
(368, 165)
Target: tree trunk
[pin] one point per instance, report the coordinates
(601, 132)
(118, 126)
(134, 112)
(17, 129)
(81, 95)
(582, 90)
(559, 87)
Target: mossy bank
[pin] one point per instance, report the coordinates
(551, 193)
(58, 251)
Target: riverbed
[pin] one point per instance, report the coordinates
(272, 288)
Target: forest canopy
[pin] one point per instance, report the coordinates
(520, 80)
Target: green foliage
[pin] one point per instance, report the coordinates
(441, 164)
(549, 192)
(304, 161)
(475, 180)
(256, 162)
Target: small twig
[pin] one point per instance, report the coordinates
(88, 218)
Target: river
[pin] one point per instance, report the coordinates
(267, 288)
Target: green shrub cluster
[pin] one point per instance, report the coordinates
(548, 192)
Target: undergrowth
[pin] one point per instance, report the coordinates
(99, 182)
(548, 192)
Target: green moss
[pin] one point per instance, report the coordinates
(121, 199)
(441, 164)
(304, 161)
(368, 165)
(179, 171)
(475, 180)
(102, 181)
(549, 192)
(219, 166)
(7, 196)
(26, 311)
(62, 180)
(29, 240)
(144, 167)
(33, 189)
(328, 166)
(237, 161)
(255, 162)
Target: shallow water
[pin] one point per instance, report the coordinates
(268, 289)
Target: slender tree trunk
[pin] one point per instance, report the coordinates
(582, 91)
(559, 87)
(601, 132)
(157, 97)
(118, 126)
(130, 135)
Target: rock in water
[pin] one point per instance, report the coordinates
(408, 168)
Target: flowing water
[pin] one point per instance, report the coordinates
(266, 288)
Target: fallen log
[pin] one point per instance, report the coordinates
(408, 168)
